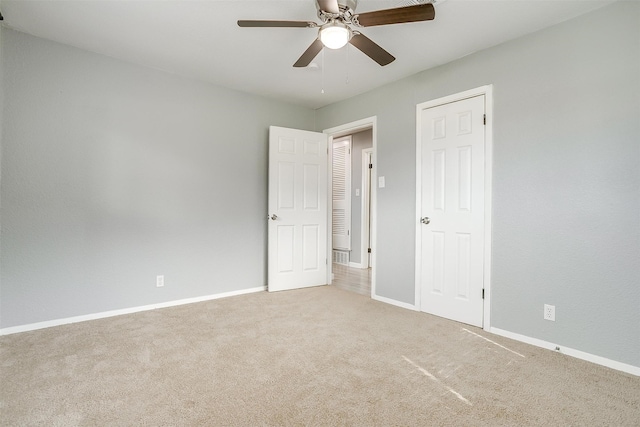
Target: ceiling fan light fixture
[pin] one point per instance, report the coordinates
(335, 35)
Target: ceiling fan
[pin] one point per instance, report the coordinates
(335, 31)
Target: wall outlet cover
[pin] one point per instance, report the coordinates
(549, 312)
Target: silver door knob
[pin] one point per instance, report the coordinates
(425, 220)
(273, 217)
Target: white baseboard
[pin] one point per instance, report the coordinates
(356, 265)
(619, 366)
(102, 315)
(394, 302)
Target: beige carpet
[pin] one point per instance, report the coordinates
(313, 357)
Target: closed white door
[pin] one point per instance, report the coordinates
(452, 138)
(341, 194)
(297, 253)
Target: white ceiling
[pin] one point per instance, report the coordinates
(200, 39)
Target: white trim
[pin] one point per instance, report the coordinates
(487, 91)
(488, 198)
(394, 302)
(112, 313)
(357, 265)
(353, 127)
(599, 360)
(330, 275)
(365, 214)
(418, 243)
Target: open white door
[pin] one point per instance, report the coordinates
(297, 235)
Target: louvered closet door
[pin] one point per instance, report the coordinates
(341, 216)
(297, 255)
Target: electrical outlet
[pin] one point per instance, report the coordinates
(159, 281)
(550, 312)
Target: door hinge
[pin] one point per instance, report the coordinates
(482, 293)
(370, 165)
(368, 250)
(484, 119)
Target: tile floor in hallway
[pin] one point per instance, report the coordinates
(352, 279)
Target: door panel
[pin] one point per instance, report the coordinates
(297, 209)
(341, 194)
(452, 198)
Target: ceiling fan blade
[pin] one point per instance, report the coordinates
(371, 49)
(398, 15)
(329, 6)
(308, 55)
(277, 24)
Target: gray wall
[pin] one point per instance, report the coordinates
(112, 174)
(359, 141)
(566, 178)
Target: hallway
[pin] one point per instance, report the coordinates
(352, 279)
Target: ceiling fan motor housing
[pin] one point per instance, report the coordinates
(347, 8)
(348, 4)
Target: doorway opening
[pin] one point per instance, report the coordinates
(352, 237)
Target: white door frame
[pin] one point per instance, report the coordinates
(349, 128)
(487, 91)
(365, 214)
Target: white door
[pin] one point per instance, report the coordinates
(297, 255)
(452, 138)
